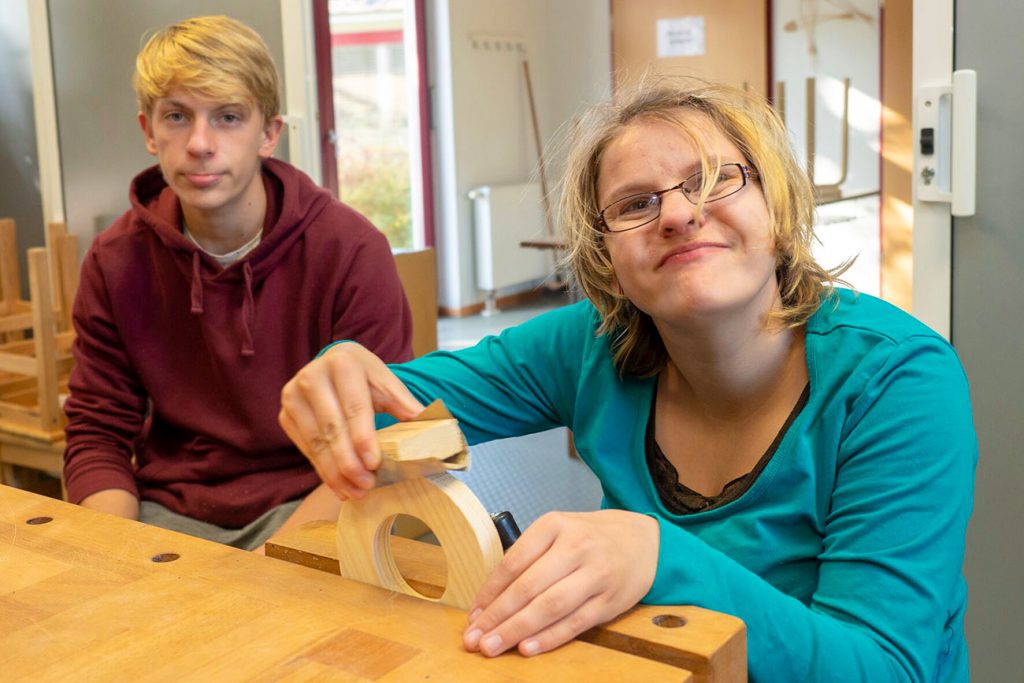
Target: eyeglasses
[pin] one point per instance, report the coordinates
(638, 210)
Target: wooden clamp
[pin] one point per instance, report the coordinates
(415, 456)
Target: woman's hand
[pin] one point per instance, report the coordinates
(567, 573)
(328, 409)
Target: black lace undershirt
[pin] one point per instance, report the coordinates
(681, 500)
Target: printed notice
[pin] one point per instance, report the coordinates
(681, 37)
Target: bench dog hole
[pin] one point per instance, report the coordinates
(165, 557)
(669, 621)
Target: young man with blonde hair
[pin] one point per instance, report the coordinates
(228, 273)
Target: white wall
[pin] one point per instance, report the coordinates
(483, 132)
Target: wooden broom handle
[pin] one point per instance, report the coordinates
(540, 151)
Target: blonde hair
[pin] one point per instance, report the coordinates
(752, 125)
(217, 57)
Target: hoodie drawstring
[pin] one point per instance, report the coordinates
(197, 286)
(248, 304)
(248, 312)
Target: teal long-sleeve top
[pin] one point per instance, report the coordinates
(844, 556)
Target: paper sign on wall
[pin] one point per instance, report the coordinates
(681, 37)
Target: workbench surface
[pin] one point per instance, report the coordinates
(88, 596)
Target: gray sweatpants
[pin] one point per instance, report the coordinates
(251, 536)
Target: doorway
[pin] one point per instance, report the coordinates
(374, 131)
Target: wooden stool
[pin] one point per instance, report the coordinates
(34, 454)
(14, 310)
(33, 372)
(63, 272)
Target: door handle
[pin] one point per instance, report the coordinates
(945, 165)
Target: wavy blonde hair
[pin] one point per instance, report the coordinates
(217, 57)
(753, 126)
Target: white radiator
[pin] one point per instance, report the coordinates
(504, 216)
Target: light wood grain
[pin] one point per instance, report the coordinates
(47, 456)
(17, 321)
(710, 644)
(45, 359)
(17, 363)
(448, 507)
(10, 283)
(54, 232)
(81, 599)
(68, 275)
(417, 270)
(315, 545)
(897, 155)
(405, 441)
(43, 331)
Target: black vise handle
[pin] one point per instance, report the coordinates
(508, 530)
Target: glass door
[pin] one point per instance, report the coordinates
(371, 66)
(826, 74)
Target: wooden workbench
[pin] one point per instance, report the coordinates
(90, 597)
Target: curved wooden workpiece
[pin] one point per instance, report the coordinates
(459, 521)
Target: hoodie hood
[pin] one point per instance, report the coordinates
(294, 202)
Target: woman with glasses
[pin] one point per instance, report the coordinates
(770, 445)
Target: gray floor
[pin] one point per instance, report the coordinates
(527, 475)
(850, 229)
(459, 333)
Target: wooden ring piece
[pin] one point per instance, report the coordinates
(458, 519)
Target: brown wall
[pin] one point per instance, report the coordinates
(736, 41)
(897, 152)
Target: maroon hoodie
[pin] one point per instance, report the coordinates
(165, 332)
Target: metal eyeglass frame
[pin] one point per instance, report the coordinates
(746, 171)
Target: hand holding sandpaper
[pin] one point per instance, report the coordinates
(428, 444)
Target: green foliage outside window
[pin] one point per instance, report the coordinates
(377, 185)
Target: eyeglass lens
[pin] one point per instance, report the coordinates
(636, 210)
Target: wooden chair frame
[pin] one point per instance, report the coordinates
(33, 371)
